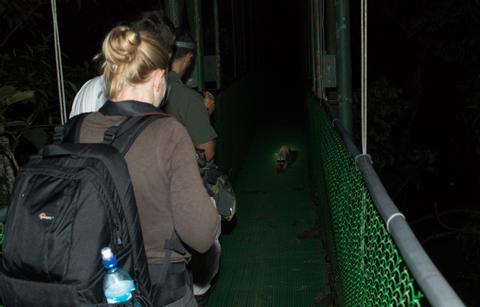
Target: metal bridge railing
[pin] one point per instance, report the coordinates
(377, 260)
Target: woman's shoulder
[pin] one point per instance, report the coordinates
(169, 138)
(167, 122)
(167, 128)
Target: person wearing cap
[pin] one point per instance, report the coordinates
(187, 105)
(192, 109)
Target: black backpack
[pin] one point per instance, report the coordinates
(68, 203)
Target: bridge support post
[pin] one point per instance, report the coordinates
(330, 26)
(318, 48)
(194, 10)
(174, 11)
(343, 63)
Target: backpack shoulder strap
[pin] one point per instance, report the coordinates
(139, 116)
(123, 136)
(172, 244)
(70, 132)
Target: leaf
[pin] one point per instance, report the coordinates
(16, 123)
(20, 96)
(37, 136)
(6, 91)
(10, 95)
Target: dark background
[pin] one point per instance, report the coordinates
(424, 94)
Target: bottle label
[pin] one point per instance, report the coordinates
(120, 292)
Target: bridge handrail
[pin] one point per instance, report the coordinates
(435, 287)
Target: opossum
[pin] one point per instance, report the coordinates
(283, 159)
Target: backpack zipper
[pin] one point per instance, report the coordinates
(116, 223)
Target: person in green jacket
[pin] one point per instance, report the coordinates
(188, 106)
(193, 110)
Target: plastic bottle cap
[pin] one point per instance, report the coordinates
(108, 258)
(106, 253)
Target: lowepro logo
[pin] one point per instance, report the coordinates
(44, 216)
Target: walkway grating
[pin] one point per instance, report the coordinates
(273, 256)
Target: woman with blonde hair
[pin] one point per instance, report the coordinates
(170, 196)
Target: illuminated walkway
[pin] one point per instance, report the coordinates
(274, 255)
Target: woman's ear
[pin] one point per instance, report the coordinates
(159, 86)
(159, 79)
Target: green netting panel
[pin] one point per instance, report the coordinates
(1, 242)
(368, 269)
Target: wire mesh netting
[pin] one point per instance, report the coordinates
(368, 269)
(1, 242)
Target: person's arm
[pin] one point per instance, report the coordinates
(208, 149)
(195, 219)
(198, 125)
(209, 102)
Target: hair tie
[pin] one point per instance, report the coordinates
(113, 66)
(134, 38)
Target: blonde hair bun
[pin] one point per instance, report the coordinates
(121, 45)
(130, 56)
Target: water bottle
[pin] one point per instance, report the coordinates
(118, 286)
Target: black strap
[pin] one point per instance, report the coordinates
(178, 282)
(172, 244)
(70, 132)
(139, 114)
(175, 287)
(115, 132)
(123, 136)
(129, 108)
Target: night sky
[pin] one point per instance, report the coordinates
(424, 85)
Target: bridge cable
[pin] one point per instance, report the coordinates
(364, 75)
(323, 93)
(58, 62)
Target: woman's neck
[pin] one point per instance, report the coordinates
(137, 92)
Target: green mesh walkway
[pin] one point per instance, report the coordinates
(273, 257)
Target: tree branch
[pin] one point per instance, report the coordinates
(20, 24)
